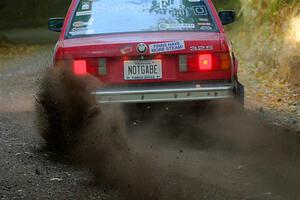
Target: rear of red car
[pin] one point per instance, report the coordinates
(150, 50)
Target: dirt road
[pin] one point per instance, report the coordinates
(208, 155)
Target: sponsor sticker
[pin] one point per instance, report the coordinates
(84, 13)
(75, 29)
(81, 30)
(204, 24)
(167, 46)
(79, 24)
(206, 28)
(174, 26)
(200, 10)
(85, 6)
(203, 19)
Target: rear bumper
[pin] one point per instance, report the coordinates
(164, 93)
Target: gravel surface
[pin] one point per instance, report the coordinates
(29, 170)
(217, 156)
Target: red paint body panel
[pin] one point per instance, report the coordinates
(119, 47)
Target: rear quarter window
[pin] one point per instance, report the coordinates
(94, 17)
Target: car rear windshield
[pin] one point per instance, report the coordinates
(93, 17)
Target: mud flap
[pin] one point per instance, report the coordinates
(240, 94)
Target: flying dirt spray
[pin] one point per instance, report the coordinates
(96, 137)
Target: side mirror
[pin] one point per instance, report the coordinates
(227, 17)
(55, 24)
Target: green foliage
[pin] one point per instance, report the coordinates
(30, 13)
(277, 5)
(266, 9)
(227, 5)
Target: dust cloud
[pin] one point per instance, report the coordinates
(153, 151)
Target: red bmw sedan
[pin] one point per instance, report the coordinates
(150, 50)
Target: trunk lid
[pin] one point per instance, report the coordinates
(117, 49)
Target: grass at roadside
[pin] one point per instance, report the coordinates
(30, 13)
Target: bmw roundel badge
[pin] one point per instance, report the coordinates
(142, 48)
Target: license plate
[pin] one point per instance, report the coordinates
(142, 69)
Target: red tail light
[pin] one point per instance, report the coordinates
(80, 67)
(199, 62)
(91, 65)
(204, 62)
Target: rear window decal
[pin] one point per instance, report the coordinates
(167, 47)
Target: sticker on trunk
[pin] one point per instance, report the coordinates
(167, 47)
